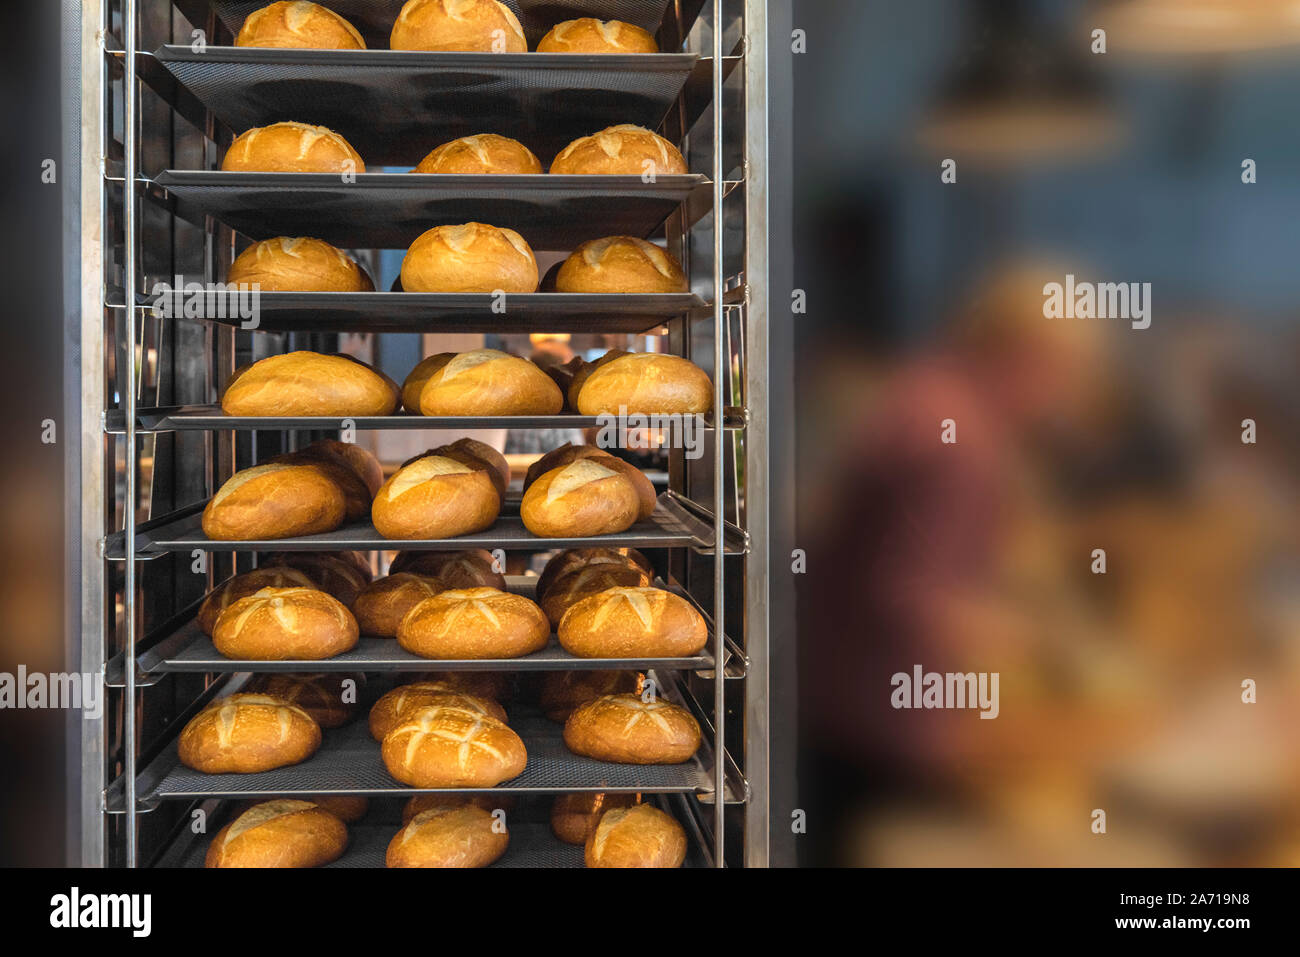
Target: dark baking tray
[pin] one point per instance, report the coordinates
(389, 210)
(394, 106)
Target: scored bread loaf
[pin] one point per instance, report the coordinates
(563, 692)
(348, 808)
(382, 605)
(484, 26)
(469, 451)
(474, 623)
(274, 501)
(436, 497)
(280, 833)
(482, 382)
(298, 264)
(573, 558)
(330, 699)
(470, 568)
(391, 709)
(481, 153)
(470, 257)
(342, 574)
(298, 25)
(589, 35)
(636, 622)
(579, 500)
(309, 383)
(569, 452)
(443, 747)
(645, 383)
(359, 460)
(246, 733)
(574, 815)
(637, 836)
(620, 264)
(628, 730)
(291, 148)
(586, 580)
(465, 836)
(356, 495)
(623, 150)
(241, 586)
(276, 624)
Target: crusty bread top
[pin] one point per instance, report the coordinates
(423, 470)
(612, 139)
(297, 17)
(574, 476)
(594, 252)
(468, 729)
(263, 813)
(284, 605)
(226, 710)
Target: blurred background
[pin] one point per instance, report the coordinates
(1119, 691)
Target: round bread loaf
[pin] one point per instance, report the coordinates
(291, 148)
(484, 382)
(574, 815)
(481, 153)
(274, 501)
(474, 623)
(589, 35)
(330, 699)
(471, 568)
(623, 150)
(471, 257)
(342, 574)
(646, 383)
(286, 264)
(241, 586)
(484, 26)
(470, 450)
(586, 580)
(246, 733)
(428, 802)
(573, 558)
(436, 497)
(281, 833)
(579, 500)
(298, 25)
(277, 624)
(563, 692)
(620, 264)
(569, 452)
(633, 623)
(359, 460)
(627, 730)
(466, 836)
(392, 709)
(638, 836)
(308, 383)
(452, 748)
(383, 604)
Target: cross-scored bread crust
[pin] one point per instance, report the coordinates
(563, 692)
(241, 586)
(470, 257)
(474, 623)
(391, 709)
(482, 153)
(637, 622)
(627, 730)
(484, 26)
(246, 733)
(441, 747)
(589, 35)
(622, 150)
(291, 147)
(277, 624)
(298, 24)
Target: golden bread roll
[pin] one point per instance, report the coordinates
(281, 833)
(470, 257)
(579, 500)
(383, 604)
(563, 692)
(620, 264)
(276, 624)
(573, 558)
(329, 699)
(568, 453)
(625, 729)
(436, 497)
(274, 501)
(298, 26)
(341, 574)
(291, 148)
(584, 372)
(586, 580)
(419, 376)
(492, 685)
(359, 460)
(633, 623)
(646, 383)
(309, 383)
(467, 450)
(474, 623)
(483, 26)
(287, 264)
(487, 382)
(623, 150)
(452, 748)
(392, 709)
(241, 586)
(428, 802)
(573, 816)
(466, 836)
(246, 733)
(639, 836)
(471, 568)
(356, 496)
(589, 35)
(481, 153)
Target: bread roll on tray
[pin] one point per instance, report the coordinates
(483, 26)
(623, 150)
(633, 623)
(469, 568)
(356, 494)
(359, 460)
(471, 451)
(474, 623)
(274, 501)
(291, 148)
(586, 580)
(471, 257)
(247, 733)
(443, 747)
(298, 25)
(589, 35)
(645, 383)
(277, 624)
(574, 815)
(241, 586)
(466, 836)
(391, 709)
(573, 558)
(436, 497)
(584, 498)
(620, 264)
(481, 382)
(341, 574)
(627, 730)
(639, 836)
(382, 605)
(289, 264)
(309, 384)
(563, 692)
(569, 453)
(282, 833)
(329, 698)
(348, 808)
(481, 153)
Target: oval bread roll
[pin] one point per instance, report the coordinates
(488, 382)
(382, 605)
(474, 623)
(633, 623)
(627, 730)
(281, 833)
(589, 35)
(623, 150)
(573, 558)
(309, 383)
(241, 586)
(485, 26)
(481, 153)
(392, 709)
(329, 699)
(646, 383)
(569, 452)
(299, 26)
(587, 580)
(466, 836)
(341, 574)
(579, 500)
(639, 836)
(574, 815)
(452, 748)
(291, 148)
(289, 264)
(470, 568)
(276, 624)
(246, 733)
(274, 501)
(359, 460)
(471, 257)
(470, 450)
(435, 497)
(620, 264)
(356, 496)
(563, 692)
(428, 802)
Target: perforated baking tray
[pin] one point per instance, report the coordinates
(395, 106)
(389, 210)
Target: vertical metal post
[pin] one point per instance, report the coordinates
(721, 371)
(127, 384)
